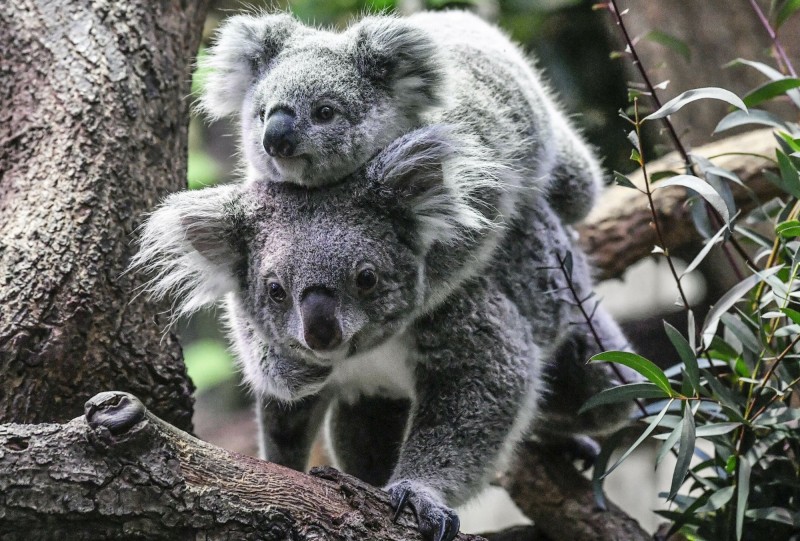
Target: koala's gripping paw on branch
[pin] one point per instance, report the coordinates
(437, 522)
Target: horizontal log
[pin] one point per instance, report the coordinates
(119, 472)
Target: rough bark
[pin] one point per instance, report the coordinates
(619, 230)
(119, 472)
(550, 491)
(93, 132)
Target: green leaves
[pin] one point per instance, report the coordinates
(700, 186)
(751, 116)
(685, 452)
(742, 493)
(770, 90)
(623, 393)
(641, 365)
(728, 300)
(677, 103)
(786, 10)
(686, 354)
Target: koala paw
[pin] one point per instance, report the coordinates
(436, 521)
(581, 449)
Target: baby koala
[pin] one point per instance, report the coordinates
(341, 305)
(314, 105)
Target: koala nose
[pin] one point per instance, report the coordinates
(280, 137)
(320, 326)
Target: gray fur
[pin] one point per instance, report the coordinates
(470, 350)
(385, 76)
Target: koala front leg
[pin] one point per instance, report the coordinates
(288, 429)
(476, 385)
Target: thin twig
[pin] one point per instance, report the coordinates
(784, 58)
(589, 321)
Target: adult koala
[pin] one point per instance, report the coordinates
(315, 105)
(341, 300)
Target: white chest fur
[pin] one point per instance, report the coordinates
(386, 370)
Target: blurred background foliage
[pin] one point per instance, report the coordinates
(569, 40)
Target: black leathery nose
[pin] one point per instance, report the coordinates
(321, 328)
(280, 136)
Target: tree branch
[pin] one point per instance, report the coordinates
(619, 231)
(119, 472)
(549, 490)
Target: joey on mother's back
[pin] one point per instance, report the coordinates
(341, 300)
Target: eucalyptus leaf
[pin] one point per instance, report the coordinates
(675, 104)
(741, 332)
(787, 10)
(649, 430)
(794, 315)
(775, 514)
(710, 243)
(685, 452)
(770, 90)
(717, 499)
(622, 180)
(622, 393)
(638, 363)
(729, 299)
(770, 72)
(789, 229)
(701, 187)
(601, 463)
(752, 116)
(742, 493)
(715, 429)
(687, 355)
(669, 443)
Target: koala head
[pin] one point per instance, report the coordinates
(324, 272)
(313, 106)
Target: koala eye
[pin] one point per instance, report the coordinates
(262, 112)
(366, 280)
(276, 292)
(324, 113)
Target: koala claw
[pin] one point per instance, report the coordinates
(436, 521)
(582, 449)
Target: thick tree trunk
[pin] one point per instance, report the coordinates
(93, 132)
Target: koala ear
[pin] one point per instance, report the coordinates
(396, 53)
(438, 175)
(188, 246)
(243, 47)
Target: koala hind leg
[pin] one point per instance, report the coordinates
(571, 382)
(365, 436)
(288, 429)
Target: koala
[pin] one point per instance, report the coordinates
(314, 105)
(342, 312)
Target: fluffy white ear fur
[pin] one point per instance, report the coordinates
(441, 174)
(185, 246)
(393, 50)
(244, 46)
